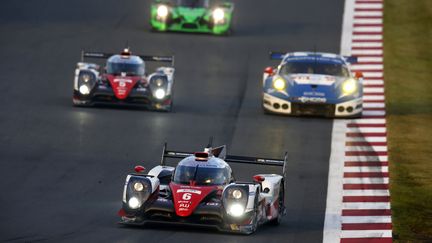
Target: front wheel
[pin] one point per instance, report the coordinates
(281, 206)
(254, 223)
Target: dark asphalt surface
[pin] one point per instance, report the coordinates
(62, 168)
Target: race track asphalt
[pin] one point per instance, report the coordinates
(62, 168)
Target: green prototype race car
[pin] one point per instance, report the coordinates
(202, 16)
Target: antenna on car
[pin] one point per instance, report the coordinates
(162, 162)
(210, 143)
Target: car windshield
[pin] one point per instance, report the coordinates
(193, 3)
(128, 68)
(201, 175)
(311, 67)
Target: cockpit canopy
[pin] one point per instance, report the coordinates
(314, 63)
(131, 66)
(213, 171)
(193, 3)
(312, 67)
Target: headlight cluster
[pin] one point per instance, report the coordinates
(279, 84)
(162, 11)
(134, 203)
(349, 87)
(159, 94)
(218, 15)
(86, 82)
(236, 210)
(138, 191)
(159, 86)
(235, 200)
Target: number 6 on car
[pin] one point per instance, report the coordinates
(201, 190)
(187, 196)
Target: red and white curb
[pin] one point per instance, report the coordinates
(358, 198)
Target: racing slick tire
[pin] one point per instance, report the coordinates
(255, 217)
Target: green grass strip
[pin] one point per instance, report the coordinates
(408, 77)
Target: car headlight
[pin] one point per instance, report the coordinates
(134, 203)
(279, 84)
(159, 82)
(84, 89)
(218, 15)
(237, 194)
(159, 94)
(138, 186)
(236, 210)
(349, 86)
(86, 78)
(162, 11)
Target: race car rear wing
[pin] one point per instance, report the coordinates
(220, 153)
(280, 56)
(147, 58)
(277, 55)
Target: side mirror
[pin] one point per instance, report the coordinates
(139, 169)
(258, 178)
(269, 70)
(358, 75)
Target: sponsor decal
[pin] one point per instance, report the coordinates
(122, 81)
(314, 79)
(122, 86)
(188, 191)
(305, 99)
(313, 93)
(213, 204)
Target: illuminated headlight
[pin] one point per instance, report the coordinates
(237, 194)
(134, 203)
(218, 15)
(138, 186)
(279, 84)
(84, 89)
(349, 87)
(159, 82)
(162, 11)
(236, 210)
(86, 78)
(159, 94)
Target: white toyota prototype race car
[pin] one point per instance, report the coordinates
(202, 191)
(123, 81)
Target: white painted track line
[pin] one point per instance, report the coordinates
(366, 169)
(366, 233)
(379, 180)
(366, 193)
(381, 205)
(365, 219)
